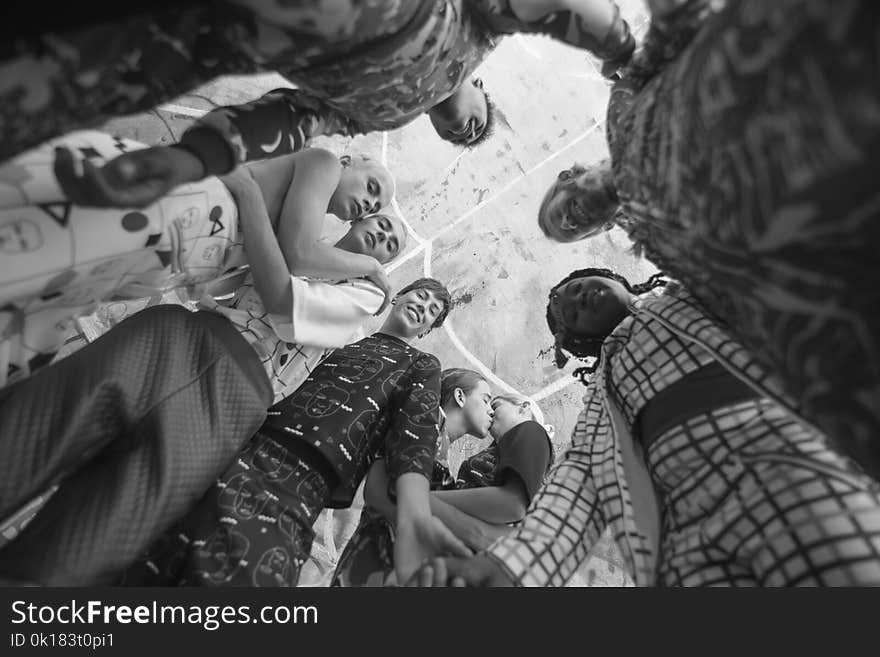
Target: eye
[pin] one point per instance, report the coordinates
(392, 246)
(373, 187)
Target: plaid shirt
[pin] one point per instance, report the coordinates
(667, 337)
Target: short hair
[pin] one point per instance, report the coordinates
(603, 203)
(435, 286)
(454, 378)
(489, 128)
(517, 400)
(589, 346)
(403, 236)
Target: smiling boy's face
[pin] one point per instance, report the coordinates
(416, 311)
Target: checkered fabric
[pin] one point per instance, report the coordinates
(749, 494)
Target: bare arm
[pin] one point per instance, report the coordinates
(475, 533)
(597, 15)
(302, 218)
(494, 504)
(270, 272)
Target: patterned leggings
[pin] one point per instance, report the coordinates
(252, 528)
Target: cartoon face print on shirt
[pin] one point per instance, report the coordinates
(20, 236)
(320, 399)
(220, 557)
(357, 369)
(272, 460)
(275, 568)
(243, 496)
(361, 425)
(188, 218)
(391, 382)
(387, 348)
(422, 409)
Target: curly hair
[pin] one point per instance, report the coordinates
(435, 286)
(589, 346)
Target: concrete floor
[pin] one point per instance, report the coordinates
(472, 219)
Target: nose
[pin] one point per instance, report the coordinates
(381, 236)
(370, 207)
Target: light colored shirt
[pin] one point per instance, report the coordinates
(325, 315)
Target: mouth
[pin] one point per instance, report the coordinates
(370, 240)
(464, 133)
(358, 210)
(413, 314)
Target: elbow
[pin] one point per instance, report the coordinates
(297, 260)
(516, 501)
(518, 510)
(372, 497)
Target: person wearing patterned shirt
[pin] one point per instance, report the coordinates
(744, 154)
(359, 67)
(508, 473)
(691, 453)
(376, 396)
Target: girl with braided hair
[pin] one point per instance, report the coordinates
(743, 162)
(690, 452)
(592, 286)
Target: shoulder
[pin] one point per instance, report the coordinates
(319, 160)
(526, 432)
(425, 361)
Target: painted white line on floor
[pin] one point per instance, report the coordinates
(476, 362)
(553, 388)
(425, 246)
(519, 178)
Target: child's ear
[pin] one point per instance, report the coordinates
(345, 160)
(459, 397)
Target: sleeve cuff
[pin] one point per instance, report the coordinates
(210, 147)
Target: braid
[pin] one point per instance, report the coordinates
(589, 347)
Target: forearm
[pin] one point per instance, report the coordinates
(376, 491)
(475, 533)
(493, 504)
(268, 267)
(411, 490)
(320, 260)
(559, 529)
(228, 136)
(597, 16)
